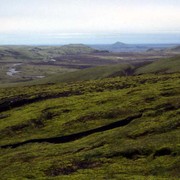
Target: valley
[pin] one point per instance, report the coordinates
(74, 112)
(28, 64)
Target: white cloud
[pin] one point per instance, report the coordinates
(69, 17)
(89, 16)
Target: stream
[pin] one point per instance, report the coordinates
(12, 70)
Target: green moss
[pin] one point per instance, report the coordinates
(168, 65)
(146, 148)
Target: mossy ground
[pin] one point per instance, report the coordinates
(146, 148)
(167, 65)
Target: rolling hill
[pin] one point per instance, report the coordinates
(176, 49)
(94, 73)
(123, 47)
(162, 66)
(40, 52)
(114, 128)
(168, 65)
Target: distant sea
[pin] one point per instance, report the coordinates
(88, 38)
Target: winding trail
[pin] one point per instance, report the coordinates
(76, 136)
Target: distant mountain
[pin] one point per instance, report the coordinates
(122, 47)
(118, 44)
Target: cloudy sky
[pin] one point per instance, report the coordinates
(89, 21)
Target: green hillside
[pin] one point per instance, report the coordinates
(114, 128)
(98, 72)
(10, 53)
(168, 65)
(31, 62)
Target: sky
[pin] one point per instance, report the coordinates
(89, 21)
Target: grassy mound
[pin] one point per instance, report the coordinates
(129, 129)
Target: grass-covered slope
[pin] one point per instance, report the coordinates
(98, 72)
(116, 128)
(168, 65)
